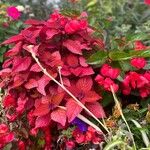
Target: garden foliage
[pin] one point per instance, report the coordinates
(61, 77)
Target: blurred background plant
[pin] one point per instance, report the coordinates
(119, 16)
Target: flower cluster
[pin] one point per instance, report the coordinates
(58, 43)
(139, 62)
(87, 137)
(5, 135)
(107, 76)
(134, 80)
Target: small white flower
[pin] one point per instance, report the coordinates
(31, 15)
(20, 8)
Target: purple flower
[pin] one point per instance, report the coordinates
(80, 124)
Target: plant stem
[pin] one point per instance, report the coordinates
(122, 115)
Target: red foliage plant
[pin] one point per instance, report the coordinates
(31, 95)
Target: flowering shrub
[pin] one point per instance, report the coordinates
(51, 81)
(58, 43)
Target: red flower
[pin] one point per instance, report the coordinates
(108, 71)
(134, 80)
(9, 101)
(138, 63)
(106, 81)
(147, 2)
(21, 145)
(5, 136)
(138, 45)
(3, 128)
(79, 136)
(13, 12)
(70, 145)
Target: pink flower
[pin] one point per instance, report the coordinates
(13, 12)
(147, 2)
(108, 71)
(138, 63)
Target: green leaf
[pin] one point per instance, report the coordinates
(147, 67)
(115, 143)
(107, 99)
(143, 133)
(97, 58)
(91, 3)
(125, 65)
(120, 55)
(138, 36)
(70, 12)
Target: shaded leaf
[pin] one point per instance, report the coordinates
(97, 58)
(97, 109)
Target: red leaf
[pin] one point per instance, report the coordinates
(42, 121)
(85, 84)
(97, 109)
(35, 68)
(59, 115)
(19, 79)
(7, 63)
(31, 84)
(34, 22)
(13, 39)
(51, 32)
(73, 109)
(30, 34)
(15, 50)
(21, 64)
(73, 46)
(42, 84)
(91, 96)
(82, 71)
(56, 99)
(41, 110)
(72, 60)
(5, 71)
